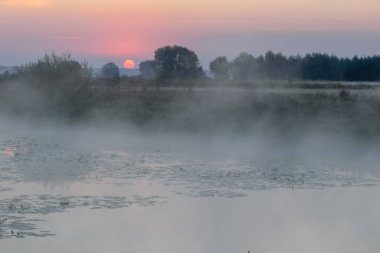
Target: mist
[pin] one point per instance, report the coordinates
(263, 125)
(189, 126)
(255, 157)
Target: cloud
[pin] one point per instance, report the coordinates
(26, 3)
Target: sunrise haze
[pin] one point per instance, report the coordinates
(115, 30)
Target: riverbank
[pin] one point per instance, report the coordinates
(207, 109)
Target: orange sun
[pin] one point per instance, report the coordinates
(129, 64)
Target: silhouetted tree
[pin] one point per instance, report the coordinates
(244, 67)
(55, 67)
(176, 62)
(294, 67)
(362, 69)
(276, 66)
(110, 71)
(321, 67)
(316, 66)
(148, 70)
(63, 80)
(220, 68)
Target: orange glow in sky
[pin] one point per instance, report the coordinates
(26, 3)
(115, 29)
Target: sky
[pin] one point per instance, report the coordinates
(115, 30)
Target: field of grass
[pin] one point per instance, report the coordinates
(279, 108)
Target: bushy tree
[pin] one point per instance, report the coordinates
(294, 67)
(275, 66)
(321, 67)
(63, 81)
(148, 70)
(220, 67)
(110, 71)
(53, 67)
(362, 69)
(177, 63)
(244, 67)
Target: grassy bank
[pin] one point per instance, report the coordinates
(203, 108)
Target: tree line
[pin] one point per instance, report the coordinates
(169, 63)
(180, 63)
(60, 86)
(315, 66)
(176, 62)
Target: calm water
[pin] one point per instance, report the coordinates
(96, 192)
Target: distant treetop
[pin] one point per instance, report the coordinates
(176, 63)
(56, 67)
(110, 71)
(316, 66)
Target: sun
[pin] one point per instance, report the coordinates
(129, 64)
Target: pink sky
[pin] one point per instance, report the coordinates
(114, 30)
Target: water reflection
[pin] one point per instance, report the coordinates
(279, 220)
(30, 160)
(207, 203)
(58, 164)
(10, 152)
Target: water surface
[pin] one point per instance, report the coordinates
(86, 191)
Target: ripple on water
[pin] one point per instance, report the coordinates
(48, 162)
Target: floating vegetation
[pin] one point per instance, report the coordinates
(29, 160)
(15, 212)
(55, 164)
(42, 161)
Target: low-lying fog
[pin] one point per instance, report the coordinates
(104, 184)
(261, 145)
